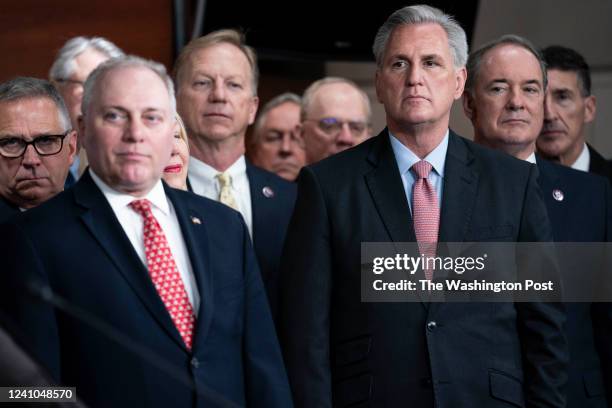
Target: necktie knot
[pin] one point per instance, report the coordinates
(422, 169)
(142, 207)
(225, 180)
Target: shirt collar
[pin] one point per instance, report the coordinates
(531, 158)
(406, 158)
(584, 159)
(117, 199)
(203, 170)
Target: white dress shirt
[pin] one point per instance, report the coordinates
(584, 159)
(203, 182)
(164, 212)
(405, 159)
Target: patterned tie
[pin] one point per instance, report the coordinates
(164, 273)
(426, 212)
(225, 190)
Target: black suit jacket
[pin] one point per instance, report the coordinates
(7, 209)
(343, 352)
(599, 165)
(122, 349)
(584, 214)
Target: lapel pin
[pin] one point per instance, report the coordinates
(195, 220)
(558, 194)
(268, 192)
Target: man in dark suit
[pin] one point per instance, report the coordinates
(37, 144)
(157, 294)
(342, 352)
(504, 98)
(216, 78)
(569, 107)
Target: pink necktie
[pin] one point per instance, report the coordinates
(425, 212)
(164, 273)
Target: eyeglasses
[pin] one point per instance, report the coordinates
(333, 126)
(46, 145)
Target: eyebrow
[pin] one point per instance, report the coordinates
(505, 81)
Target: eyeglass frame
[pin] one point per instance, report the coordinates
(33, 143)
(318, 122)
(294, 137)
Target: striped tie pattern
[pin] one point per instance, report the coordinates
(426, 212)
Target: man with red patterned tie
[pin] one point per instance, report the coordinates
(152, 296)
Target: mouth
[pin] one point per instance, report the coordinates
(173, 168)
(132, 155)
(515, 122)
(415, 98)
(216, 115)
(551, 132)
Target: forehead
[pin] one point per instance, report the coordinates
(335, 98)
(510, 62)
(38, 114)
(222, 59)
(86, 62)
(288, 112)
(562, 79)
(132, 87)
(419, 39)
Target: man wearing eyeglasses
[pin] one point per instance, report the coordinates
(275, 144)
(335, 116)
(37, 144)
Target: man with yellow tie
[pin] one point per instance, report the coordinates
(216, 78)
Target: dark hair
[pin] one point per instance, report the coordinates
(566, 59)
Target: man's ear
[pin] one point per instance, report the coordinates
(460, 77)
(468, 106)
(377, 85)
(253, 109)
(71, 140)
(590, 108)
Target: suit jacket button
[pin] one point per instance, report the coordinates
(431, 326)
(195, 363)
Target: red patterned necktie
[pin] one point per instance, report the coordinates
(425, 212)
(164, 273)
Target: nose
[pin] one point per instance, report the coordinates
(414, 75)
(516, 101)
(30, 157)
(134, 131)
(218, 91)
(345, 138)
(286, 146)
(549, 111)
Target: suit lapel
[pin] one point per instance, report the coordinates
(99, 218)
(262, 208)
(387, 190)
(193, 228)
(458, 192)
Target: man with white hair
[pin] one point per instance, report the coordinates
(335, 115)
(73, 63)
(417, 182)
(150, 296)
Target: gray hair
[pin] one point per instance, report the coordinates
(422, 14)
(475, 59)
(309, 93)
(90, 87)
(63, 66)
(29, 88)
(287, 97)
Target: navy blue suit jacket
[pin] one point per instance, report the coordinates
(7, 209)
(599, 165)
(271, 215)
(74, 245)
(584, 214)
(341, 352)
